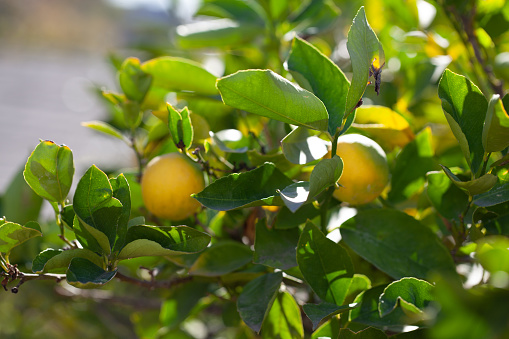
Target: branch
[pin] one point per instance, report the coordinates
(152, 284)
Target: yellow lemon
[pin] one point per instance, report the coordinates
(167, 185)
(365, 170)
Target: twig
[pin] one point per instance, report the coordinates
(154, 283)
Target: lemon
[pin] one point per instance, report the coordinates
(167, 185)
(365, 170)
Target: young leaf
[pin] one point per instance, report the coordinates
(325, 265)
(495, 134)
(326, 79)
(144, 240)
(284, 320)
(256, 299)
(473, 187)
(83, 273)
(411, 294)
(301, 148)
(275, 248)
(49, 171)
(465, 109)
(363, 47)
(180, 127)
(268, 94)
(396, 243)
(221, 258)
(95, 205)
(177, 74)
(320, 313)
(254, 188)
(134, 81)
(105, 128)
(12, 234)
(57, 261)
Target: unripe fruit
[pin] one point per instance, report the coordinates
(167, 185)
(365, 170)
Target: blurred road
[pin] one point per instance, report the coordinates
(47, 97)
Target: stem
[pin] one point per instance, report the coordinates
(139, 156)
(485, 163)
(4, 263)
(154, 283)
(60, 223)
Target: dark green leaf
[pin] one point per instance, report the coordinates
(473, 187)
(411, 294)
(177, 307)
(221, 258)
(49, 171)
(144, 240)
(368, 333)
(325, 265)
(495, 134)
(396, 243)
(256, 299)
(363, 47)
(284, 320)
(254, 188)
(412, 164)
(12, 234)
(496, 195)
(465, 109)
(268, 94)
(95, 205)
(447, 198)
(326, 79)
(286, 219)
(275, 248)
(320, 313)
(105, 128)
(134, 81)
(177, 74)
(98, 243)
(83, 273)
(299, 147)
(57, 261)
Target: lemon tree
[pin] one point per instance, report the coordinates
(167, 185)
(365, 170)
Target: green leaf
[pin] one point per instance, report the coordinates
(268, 94)
(449, 200)
(122, 193)
(275, 248)
(411, 294)
(216, 33)
(180, 126)
(249, 11)
(473, 187)
(299, 147)
(316, 16)
(284, 320)
(499, 194)
(221, 258)
(368, 333)
(12, 234)
(465, 109)
(320, 313)
(254, 188)
(411, 165)
(325, 265)
(49, 171)
(57, 261)
(495, 134)
(396, 243)
(145, 240)
(493, 254)
(326, 173)
(97, 243)
(326, 79)
(363, 47)
(177, 74)
(287, 219)
(178, 306)
(83, 273)
(360, 283)
(105, 128)
(95, 205)
(367, 312)
(134, 81)
(256, 299)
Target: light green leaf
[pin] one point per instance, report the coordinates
(473, 187)
(57, 261)
(495, 134)
(411, 294)
(284, 320)
(268, 94)
(12, 234)
(105, 128)
(180, 127)
(134, 81)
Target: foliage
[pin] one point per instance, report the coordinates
(263, 256)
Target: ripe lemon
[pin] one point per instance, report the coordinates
(167, 185)
(365, 170)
